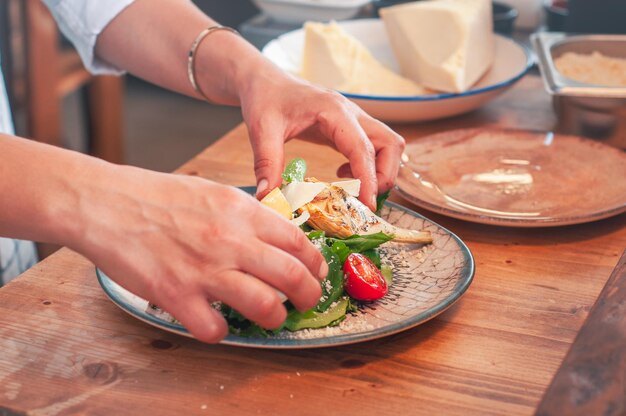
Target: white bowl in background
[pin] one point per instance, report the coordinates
(299, 11)
(512, 61)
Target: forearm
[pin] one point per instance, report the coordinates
(42, 190)
(151, 39)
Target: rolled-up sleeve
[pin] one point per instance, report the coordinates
(81, 21)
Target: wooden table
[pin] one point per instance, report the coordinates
(66, 349)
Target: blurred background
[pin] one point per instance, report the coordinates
(125, 120)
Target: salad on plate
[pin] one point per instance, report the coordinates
(350, 237)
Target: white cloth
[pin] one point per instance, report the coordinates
(81, 21)
(15, 255)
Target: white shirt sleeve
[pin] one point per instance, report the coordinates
(81, 21)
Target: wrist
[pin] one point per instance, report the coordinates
(67, 210)
(227, 67)
(46, 185)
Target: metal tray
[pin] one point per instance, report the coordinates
(594, 111)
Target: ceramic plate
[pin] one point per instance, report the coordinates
(512, 61)
(298, 11)
(427, 280)
(514, 178)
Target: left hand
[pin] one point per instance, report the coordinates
(277, 107)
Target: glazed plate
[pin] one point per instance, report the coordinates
(297, 11)
(512, 61)
(427, 280)
(514, 177)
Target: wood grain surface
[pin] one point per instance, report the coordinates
(592, 378)
(67, 350)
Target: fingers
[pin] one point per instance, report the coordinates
(344, 171)
(389, 147)
(199, 317)
(249, 296)
(283, 272)
(351, 140)
(267, 145)
(290, 239)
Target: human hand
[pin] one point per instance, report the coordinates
(183, 242)
(278, 107)
(275, 105)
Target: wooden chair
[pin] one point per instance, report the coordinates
(52, 73)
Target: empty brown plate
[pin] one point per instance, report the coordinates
(514, 178)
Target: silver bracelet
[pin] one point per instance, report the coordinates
(191, 59)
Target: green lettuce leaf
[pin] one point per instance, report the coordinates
(332, 286)
(380, 201)
(361, 243)
(295, 171)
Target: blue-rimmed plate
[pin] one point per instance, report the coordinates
(512, 61)
(427, 280)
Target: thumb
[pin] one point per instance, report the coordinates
(269, 158)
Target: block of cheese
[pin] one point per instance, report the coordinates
(334, 59)
(446, 45)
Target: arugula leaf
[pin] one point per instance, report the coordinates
(315, 235)
(380, 201)
(361, 243)
(252, 331)
(332, 286)
(295, 171)
(240, 325)
(341, 250)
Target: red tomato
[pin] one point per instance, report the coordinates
(363, 279)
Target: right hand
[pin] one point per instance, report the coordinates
(183, 242)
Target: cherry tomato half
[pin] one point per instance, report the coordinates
(363, 279)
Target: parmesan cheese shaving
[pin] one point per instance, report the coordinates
(301, 193)
(352, 186)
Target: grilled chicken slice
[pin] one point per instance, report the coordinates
(341, 215)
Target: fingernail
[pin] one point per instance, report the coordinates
(373, 201)
(261, 186)
(323, 271)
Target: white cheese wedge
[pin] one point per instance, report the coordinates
(334, 59)
(352, 186)
(301, 193)
(445, 45)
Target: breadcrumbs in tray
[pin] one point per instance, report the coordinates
(594, 68)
